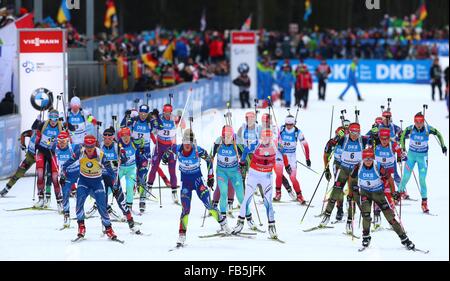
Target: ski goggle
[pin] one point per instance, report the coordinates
(108, 135)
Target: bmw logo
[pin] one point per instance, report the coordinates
(41, 99)
(89, 164)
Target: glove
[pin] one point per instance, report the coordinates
(23, 147)
(399, 159)
(308, 162)
(155, 112)
(341, 133)
(123, 156)
(444, 150)
(327, 174)
(62, 179)
(128, 112)
(404, 156)
(210, 181)
(396, 195)
(165, 158)
(288, 169)
(374, 130)
(71, 127)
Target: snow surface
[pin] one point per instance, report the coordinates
(34, 235)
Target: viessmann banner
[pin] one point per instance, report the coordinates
(42, 64)
(374, 71)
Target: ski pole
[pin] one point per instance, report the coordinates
(315, 190)
(307, 167)
(159, 188)
(257, 211)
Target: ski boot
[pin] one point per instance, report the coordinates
(40, 202)
(230, 207)
(272, 230)
(251, 223)
(325, 220)
(277, 197)
(425, 205)
(404, 195)
(131, 224)
(110, 233)
(224, 225)
(340, 213)
(300, 199)
(5, 190)
(175, 196)
(142, 204)
(81, 229)
(406, 242)
(59, 205)
(239, 226)
(66, 220)
(366, 240)
(47, 200)
(349, 227)
(181, 239)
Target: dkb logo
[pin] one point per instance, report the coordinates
(73, 4)
(373, 4)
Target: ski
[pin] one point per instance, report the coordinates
(177, 247)
(257, 230)
(210, 235)
(78, 239)
(421, 251)
(362, 249)
(31, 209)
(351, 235)
(319, 215)
(65, 227)
(117, 240)
(335, 222)
(430, 214)
(86, 218)
(317, 227)
(277, 240)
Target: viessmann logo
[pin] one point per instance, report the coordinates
(39, 42)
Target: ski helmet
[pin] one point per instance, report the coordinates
(75, 101)
(167, 108)
(125, 131)
(346, 123)
(227, 131)
(354, 128)
(188, 136)
(90, 141)
(419, 118)
(290, 120)
(387, 114)
(53, 115)
(385, 133)
(378, 120)
(144, 108)
(265, 118)
(63, 135)
(368, 154)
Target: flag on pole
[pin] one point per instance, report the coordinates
(137, 69)
(122, 70)
(308, 10)
(203, 21)
(110, 13)
(247, 24)
(149, 61)
(63, 13)
(421, 14)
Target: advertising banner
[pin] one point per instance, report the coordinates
(244, 51)
(41, 65)
(373, 71)
(9, 145)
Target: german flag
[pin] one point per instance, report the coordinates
(149, 61)
(110, 12)
(137, 69)
(122, 71)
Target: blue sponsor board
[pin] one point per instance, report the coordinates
(9, 145)
(209, 93)
(374, 71)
